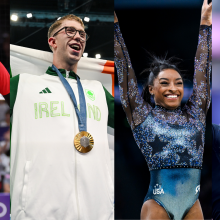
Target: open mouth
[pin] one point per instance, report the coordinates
(75, 47)
(171, 96)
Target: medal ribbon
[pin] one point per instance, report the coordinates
(82, 113)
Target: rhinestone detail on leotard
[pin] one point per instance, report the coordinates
(167, 138)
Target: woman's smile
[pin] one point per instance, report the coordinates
(167, 89)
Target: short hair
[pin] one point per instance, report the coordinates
(58, 23)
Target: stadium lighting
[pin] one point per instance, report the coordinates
(98, 56)
(29, 15)
(87, 19)
(14, 17)
(85, 54)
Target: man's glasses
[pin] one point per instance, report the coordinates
(71, 32)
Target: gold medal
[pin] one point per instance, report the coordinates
(83, 142)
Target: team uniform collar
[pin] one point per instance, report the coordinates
(72, 75)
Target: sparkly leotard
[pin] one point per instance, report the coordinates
(169, 138)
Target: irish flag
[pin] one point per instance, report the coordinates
(27, 60)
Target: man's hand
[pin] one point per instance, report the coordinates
(206, 14)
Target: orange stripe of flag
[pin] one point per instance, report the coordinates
(109, 69)
(109, 63)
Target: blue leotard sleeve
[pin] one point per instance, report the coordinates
(199, 101)
(133, 104)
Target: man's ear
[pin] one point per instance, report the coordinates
(52, 42)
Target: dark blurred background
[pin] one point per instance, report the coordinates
(4, 32)
(4, 108)
(32, 32)
(4, 115)
(161, 27)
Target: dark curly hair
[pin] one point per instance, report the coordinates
(157, 65)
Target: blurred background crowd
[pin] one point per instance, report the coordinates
(4, 108)
(4, 33)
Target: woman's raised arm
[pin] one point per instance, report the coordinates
(133, 104)
(200, 99)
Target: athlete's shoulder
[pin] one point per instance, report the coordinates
(4, 74)
(93, 83)
(25, 76)
(2, 67)
(4, 80)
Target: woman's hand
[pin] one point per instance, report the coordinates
(206, 15)
(115, 18)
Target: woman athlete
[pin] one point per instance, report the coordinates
(171, 138)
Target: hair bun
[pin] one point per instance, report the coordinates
(155, 64)
(158, 64)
